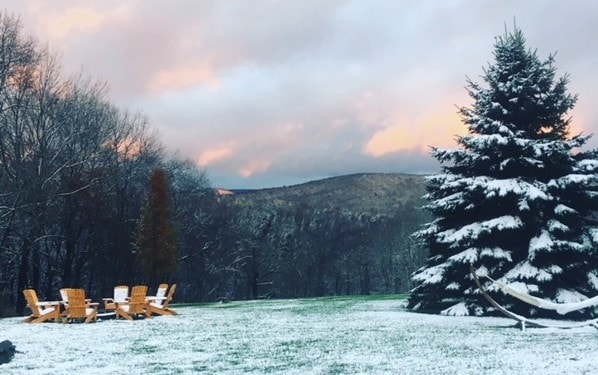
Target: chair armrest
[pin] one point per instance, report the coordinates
(108, 299)
(48, 303)
(93, 303)
(153, 298)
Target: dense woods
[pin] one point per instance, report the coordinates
(76, 198)
(343, 235)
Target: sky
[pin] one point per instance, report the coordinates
(264, 93)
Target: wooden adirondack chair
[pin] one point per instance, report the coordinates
(160, 293)
(40, 311)
(136, 306)
(65, 300)
(121, 294)
(79, 308)
(160, 306)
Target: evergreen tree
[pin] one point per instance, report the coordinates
(516, 199)
(156, 241)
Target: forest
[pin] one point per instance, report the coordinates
(321, 238)
(75, 186)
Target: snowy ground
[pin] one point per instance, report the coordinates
(312, 336)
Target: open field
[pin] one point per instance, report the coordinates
(353, 335)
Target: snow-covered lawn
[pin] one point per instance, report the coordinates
(367, 335)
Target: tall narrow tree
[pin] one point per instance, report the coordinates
(516, 199)
(156, 240)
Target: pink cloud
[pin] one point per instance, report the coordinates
(214, 155)
(182, 77)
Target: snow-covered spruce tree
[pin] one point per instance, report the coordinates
(516, 199)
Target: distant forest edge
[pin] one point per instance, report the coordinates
(342, 235)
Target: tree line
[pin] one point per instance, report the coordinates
(271, 249)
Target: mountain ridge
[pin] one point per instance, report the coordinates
(380, 193)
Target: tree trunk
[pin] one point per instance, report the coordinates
(22, 277)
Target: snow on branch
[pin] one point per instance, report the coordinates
(469, 256)
(543, 242)
(588, 165)
(557, 226)
(515, 186)
(495, 253)
(525, 270)
(431, 275)
(459, 309)
(561, 210)
(573, 180)
(475, 230)
(593, 232)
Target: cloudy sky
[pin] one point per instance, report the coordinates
(267, 93)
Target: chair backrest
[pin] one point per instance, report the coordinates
(170, 294)
(64, 295)
(32, 301)
(137, 303)
(162, 288)
(121, 293)
(77, 306)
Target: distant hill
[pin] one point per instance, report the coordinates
(380, 193)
